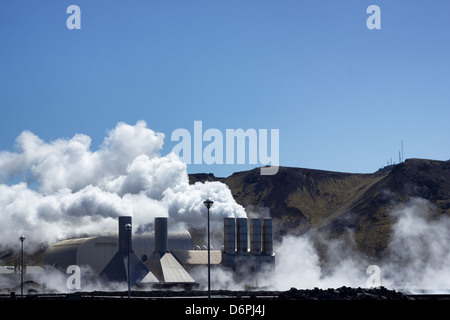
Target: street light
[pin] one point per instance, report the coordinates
(22, 238)
(128, 228)
(208, 203)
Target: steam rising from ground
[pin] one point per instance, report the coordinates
(59, 189)
(417, 258)
(419, 252)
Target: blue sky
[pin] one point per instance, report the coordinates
(342, 96)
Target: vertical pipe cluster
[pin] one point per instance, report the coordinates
(236, 236)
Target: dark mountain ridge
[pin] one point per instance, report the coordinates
(331, 203)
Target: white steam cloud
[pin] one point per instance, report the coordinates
(419, 252)
(59, 189)
(417, 258)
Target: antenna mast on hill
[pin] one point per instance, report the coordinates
(403, 158)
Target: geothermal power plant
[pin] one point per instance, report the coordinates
(164, 258)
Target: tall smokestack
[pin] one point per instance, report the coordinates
(161, 239)
(229, 235)
(255, 236)
(267, 241)
(125, 265)
(241, 235)
(124, 236)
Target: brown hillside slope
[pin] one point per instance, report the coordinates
(307, 200)
(427, 179)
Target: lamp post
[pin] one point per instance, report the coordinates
(22, 238)
(128, 228)
(208, 203)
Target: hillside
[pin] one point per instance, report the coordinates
(332, 203)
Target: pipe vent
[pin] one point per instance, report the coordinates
(267, 239)
(229, 235)
(124, 236)
(161, 239)
(255, 236)
(241, 235)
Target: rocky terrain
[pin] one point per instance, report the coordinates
(342, 293)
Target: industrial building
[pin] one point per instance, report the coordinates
(162, 257)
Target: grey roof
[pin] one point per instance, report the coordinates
(28, 269)
(33, 269)
(6, 269)
(167, 269)
(195, 257)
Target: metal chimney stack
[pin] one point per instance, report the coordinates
(229, 235)
(161, 238)
(124, 237)
(255, 236)
(125, 265)
(241, 235)
(162, 263)
(267, 238)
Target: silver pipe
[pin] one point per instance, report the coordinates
(267, 242)
(229, 235)
(161, 238)
(255, 236)
(124, 244)
(241, 235)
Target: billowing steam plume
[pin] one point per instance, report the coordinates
(54, 190)
(417, 257)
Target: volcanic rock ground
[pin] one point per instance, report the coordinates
(341, 293)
